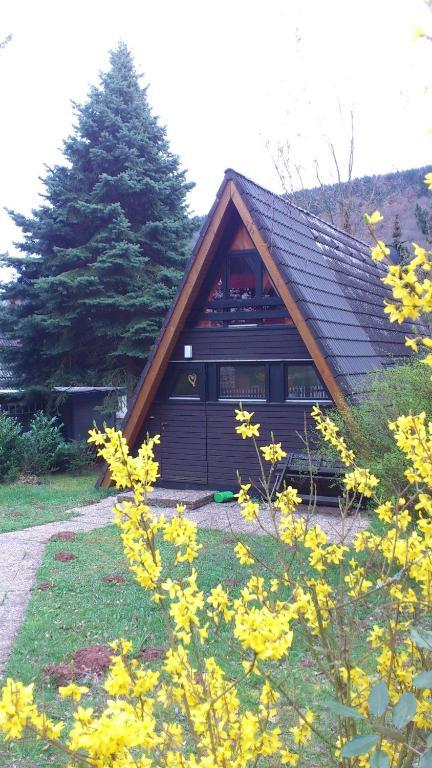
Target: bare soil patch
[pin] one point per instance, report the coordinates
(64, 557)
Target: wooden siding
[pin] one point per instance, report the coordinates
(265, 343)
(227, 452)
(182, 427)
(199, 445)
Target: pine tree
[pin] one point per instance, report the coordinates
(424, 222)
(398, 243)
(103, 256)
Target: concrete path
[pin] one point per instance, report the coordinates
(21, 552)
(20, 558)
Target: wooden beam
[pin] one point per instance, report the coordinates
(290, 303)
(197, 272)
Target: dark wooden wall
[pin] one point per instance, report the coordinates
(261, 343)
(199, 445)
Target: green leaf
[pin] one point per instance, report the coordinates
(378, 699)
(423, 680)
(422, 638)
(361, 745)
(342, 710)
(404, 710)
(426, 759)
(379, 759)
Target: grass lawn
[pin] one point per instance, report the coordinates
(22, 505)
(79, 609)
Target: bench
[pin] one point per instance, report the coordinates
(296, 470)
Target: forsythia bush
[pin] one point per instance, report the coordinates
(376, 671)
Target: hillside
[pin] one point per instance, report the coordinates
(393, 194)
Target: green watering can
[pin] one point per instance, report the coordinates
(221, 496)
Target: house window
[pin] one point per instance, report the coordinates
(239, 293)
(242, 382)
(242, 276)
(303, 383)
(185, 383)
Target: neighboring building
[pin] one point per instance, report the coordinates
(81, 407)
(278, 310)
(77, 407)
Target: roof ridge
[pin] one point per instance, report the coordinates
(231, 173)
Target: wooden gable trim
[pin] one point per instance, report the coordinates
(290, 303)
(191, 286)
(174, 326)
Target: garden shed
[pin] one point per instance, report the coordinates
(81, 407)
(277, 309)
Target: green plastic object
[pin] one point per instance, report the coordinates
(221, 496)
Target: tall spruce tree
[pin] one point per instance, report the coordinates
(398, 242)
(103, 256)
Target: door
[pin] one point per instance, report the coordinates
(183, 450)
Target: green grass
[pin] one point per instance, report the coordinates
(80, 610)
(23, 505)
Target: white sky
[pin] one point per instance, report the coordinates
(226, 78)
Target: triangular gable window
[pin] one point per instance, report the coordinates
(240, 292)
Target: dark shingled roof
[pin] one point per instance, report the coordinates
(333, 280)
(337, 286)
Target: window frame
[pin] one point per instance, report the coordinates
(183, 366)
(243, 363)
(229, 311)
(304, 364)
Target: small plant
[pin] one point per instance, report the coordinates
(41, 445)
(399, 390)
(11, 448)
(75, 456)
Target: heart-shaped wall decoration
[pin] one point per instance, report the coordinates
(192, 379)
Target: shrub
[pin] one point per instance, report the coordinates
(398, 390)
(11, 448)
(42, 444)
(75, 456)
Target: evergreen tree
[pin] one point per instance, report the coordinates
(102, 257)
(424, 222)
(397, 242)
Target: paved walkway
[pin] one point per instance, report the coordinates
(21, 552)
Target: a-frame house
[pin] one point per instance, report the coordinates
(277, 309)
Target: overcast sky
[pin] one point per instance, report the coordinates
(226, 78)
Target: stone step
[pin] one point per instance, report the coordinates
(170, 497)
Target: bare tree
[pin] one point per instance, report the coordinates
(5, 42)
(334, 200)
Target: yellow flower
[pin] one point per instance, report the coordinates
(380, 251)
(243, 554)
(242, 415)
(412, 343)
(273, 452)
(361, 481)
(373, 219)
(74, 691)
(248, 430)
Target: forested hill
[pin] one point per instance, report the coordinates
(393, 194)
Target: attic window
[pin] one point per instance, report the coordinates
(240, 292)
(242, 276)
